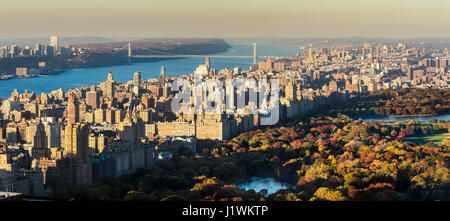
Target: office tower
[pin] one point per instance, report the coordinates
(72, 109)
(162, 76)
(54, 43)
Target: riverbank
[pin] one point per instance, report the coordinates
(79, 67)
(77, 77)
(97, 56)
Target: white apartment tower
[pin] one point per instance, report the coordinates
(54, 42)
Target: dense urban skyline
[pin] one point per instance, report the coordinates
(205, 101)
(200, 18)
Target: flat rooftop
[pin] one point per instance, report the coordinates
(6, 195)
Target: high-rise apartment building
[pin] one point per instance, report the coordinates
(3, 52)
(76, 147)
(40, 148)
(108, 87)
(14, 51)
(137, 83)
(162, 76)
(76, 140)
(54, 43)
(92, 99)
(49, 50)
(72, 109)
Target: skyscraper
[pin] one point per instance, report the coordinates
(137, 78)
(72, 109)
(54, 43)
(110, 77)
(92, 99)
(108, 86)
(207, 62)
(49, 50)
(14, 51)
(76, 140)
(53, 133)
(3, 52)
(76, 147)
(137, 83)
(291, 90)
(162, 76)
(40, 148)
(39, 49)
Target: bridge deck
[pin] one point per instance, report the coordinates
(194, 56)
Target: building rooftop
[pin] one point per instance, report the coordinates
(10, 195)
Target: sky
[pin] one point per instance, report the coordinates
(225, 18)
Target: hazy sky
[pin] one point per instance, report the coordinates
(225, 18)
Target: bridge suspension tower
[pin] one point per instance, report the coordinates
(129, 53)
(254, 53)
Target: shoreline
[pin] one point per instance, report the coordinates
(114, 61)
(54, 73)
(10, 83)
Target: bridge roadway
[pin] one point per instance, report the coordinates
(195, 56)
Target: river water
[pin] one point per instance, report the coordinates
(123, 73)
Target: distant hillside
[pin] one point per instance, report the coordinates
(63, 41)
(171, 45)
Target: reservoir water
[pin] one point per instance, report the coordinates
(123, 73)
(268, 183)
(423, 119)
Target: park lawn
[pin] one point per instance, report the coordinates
(435, 138)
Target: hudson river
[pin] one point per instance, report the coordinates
(123, 73)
